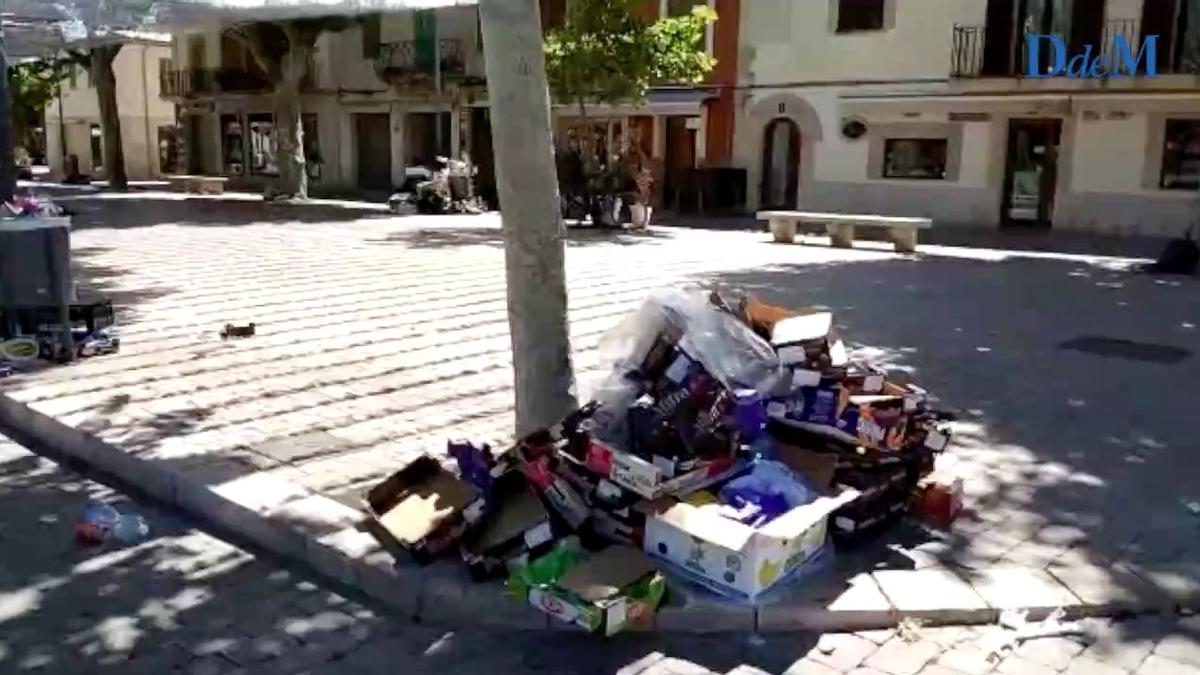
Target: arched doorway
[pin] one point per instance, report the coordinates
(780, 164)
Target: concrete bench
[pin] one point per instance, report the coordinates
(200, 185)
(842, 226)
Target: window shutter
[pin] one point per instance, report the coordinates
(371, 31)
(1158, 18)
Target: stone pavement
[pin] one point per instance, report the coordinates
(380, 337)
(185, 602)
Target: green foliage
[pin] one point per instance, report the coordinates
(33, 86)
(606, 53)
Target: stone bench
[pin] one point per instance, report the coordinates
(842, 226)
(200, 185)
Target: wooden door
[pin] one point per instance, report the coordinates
(374, 143)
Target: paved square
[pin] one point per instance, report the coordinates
(380, 337)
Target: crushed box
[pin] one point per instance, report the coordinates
(515, 528)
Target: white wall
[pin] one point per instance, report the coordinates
(140, 107)
(790, 41)
(1109, 155)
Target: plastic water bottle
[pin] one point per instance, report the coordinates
(97, 523)
(130, 528)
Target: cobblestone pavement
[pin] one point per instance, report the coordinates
(380, 337)
(185, 602)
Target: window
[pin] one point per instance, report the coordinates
(1181, 156)
(554, 14)
(859, 15)
(263, 153)
(671, 8)
(372, 30)
(921, 158)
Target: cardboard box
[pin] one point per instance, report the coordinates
(875, 421)
(516, 527)
(809, 340)
(422, 509)
(603, 593)
(735, 559)
(649, 480)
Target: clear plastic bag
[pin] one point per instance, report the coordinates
(727, 348)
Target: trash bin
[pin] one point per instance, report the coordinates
(35, 269)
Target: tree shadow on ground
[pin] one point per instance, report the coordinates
(122, 211)
(182, 601)
(456, 237)
(1068, 455)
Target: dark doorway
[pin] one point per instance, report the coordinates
(374, 144)
(482, 156)
(1031, 172)
(680, 164)
(780, 164)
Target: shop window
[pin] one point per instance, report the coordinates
(859, 15)
(233, 145)
(312, 146)
(920, 158)
(264, 155)
(168, 149)
(97, 147)
(1181, 156)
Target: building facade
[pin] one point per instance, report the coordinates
(928, 108)
(397, 90)
(386, 92)
(72, 122)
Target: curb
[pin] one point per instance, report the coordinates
(444, 595)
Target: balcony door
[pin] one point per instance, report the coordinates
(1079, 23)
(1177, 25)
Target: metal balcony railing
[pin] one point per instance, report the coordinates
(192, 82)
(409, 59)
(972, 56)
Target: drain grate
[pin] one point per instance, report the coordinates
(1118, 348)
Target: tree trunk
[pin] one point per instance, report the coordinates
(289, 126)
(533, 229)
(110, 117)
(8, 169)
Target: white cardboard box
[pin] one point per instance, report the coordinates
(737, 559)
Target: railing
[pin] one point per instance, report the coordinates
(405, 59)
(191, 82)
(970, 55)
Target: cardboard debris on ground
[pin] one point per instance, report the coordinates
(703, 390)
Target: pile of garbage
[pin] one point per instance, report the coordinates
(448, 188)
(729, 441)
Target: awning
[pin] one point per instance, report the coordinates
(900, 104)
(659, 101)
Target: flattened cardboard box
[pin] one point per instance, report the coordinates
(422, 509)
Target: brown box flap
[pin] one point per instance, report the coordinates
(604, 574)
(515, 513)
(423, 507)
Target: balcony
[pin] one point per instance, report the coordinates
(194, 82)
(973, 52)
(412, 61)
